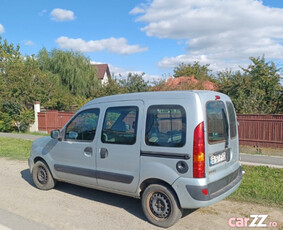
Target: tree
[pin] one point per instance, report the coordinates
(265, 85)
(9, 54)
(113, 87)
(17, 115)
(6, 122)
(256, 90)
(73, 71)
(201, 72)
(134, 83)
(16, 89)
(237, 86)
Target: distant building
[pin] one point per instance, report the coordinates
(103, 72)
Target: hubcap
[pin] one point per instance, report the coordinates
(42, 175)
(160, 205)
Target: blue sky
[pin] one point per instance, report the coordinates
(151, 36)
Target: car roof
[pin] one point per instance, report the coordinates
(148, 96)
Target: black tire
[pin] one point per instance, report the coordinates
(160, 205)
(42, 177)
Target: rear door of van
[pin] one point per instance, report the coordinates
(221, 134)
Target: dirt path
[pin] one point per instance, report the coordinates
(73, 207)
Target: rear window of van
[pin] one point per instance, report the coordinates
(232, 120)
(216, 121)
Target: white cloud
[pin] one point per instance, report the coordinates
(61, 15)
(112, 45)
(137, 10)
(215, 65)
(224, 32)
(2, 30)
(123, 73)
(28, 43)
(43, 12)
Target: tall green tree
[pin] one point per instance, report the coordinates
(265, 84)
(113, 87)
(17, 86)
(21, 83)
(201, 72)
(9, 54)
(73, 71)
(134, 83)
(256, 89)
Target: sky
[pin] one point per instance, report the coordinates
(150, 36)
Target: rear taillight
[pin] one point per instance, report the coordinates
(199, 152)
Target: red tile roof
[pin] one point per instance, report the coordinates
(101, 70)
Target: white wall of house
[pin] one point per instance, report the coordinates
(104, 81)
(34, 126)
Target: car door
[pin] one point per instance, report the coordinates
(118, 148)
(233, 131)
(74, 156)
(218, 148)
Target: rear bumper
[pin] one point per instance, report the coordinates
(189, 191)
(216, 188)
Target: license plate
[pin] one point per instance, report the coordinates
(217, 158)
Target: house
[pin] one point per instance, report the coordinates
(103, 72)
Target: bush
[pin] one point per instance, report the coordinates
(6, 122)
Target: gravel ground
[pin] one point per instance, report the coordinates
(73, 207)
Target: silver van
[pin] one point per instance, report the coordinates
(175, 150)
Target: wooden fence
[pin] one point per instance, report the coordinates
(261, 130)
(52, 119)
(254, 130)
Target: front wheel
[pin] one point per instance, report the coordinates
(160, 205)
(42, 177)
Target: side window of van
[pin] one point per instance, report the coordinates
(120, 125)
(83, 126)
(217, 121)
(232, 120)
(166, 126)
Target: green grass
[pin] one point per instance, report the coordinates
(262, 185)
(33, 133)
(14, 148)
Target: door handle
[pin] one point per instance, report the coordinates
(103, 153)
(88, 151)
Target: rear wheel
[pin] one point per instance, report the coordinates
(160, 205)
(42, 177)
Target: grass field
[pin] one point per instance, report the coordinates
(260, 184)
(33, 133)
(14, 148)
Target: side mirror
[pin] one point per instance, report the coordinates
(55, 134)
